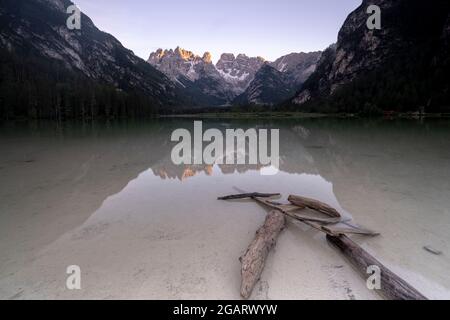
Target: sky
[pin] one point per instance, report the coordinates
(267, 28)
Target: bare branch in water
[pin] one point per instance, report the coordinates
(249, 196)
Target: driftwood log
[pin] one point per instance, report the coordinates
(303, 202)
(254, 259)
(392, 286)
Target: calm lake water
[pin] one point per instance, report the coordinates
(107, 197)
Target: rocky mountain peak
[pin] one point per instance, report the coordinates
(179, 54)
(239, 70)
(179, 62)
(207, 57)
(185, 54)
(227, 57)
(160, 53)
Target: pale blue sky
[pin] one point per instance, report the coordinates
(268, 28)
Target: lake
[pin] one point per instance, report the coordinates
(106, 196)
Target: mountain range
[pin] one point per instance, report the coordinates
(235, 79)
(49, 71)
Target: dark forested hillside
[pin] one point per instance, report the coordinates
(50, 71)
(32, 87)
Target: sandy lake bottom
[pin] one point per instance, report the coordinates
(107, 197)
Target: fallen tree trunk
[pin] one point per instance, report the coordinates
(254, 259)
(392, 286)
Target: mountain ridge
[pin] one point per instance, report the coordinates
(41, 34)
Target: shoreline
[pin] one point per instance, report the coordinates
(250, 115)
(301, 115)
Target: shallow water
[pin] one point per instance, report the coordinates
(107, 197)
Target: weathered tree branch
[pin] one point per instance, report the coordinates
(249, 195)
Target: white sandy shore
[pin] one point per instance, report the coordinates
(175, 244)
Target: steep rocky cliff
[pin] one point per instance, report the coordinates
(400, 67)
(277, 81)
(298, 67)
